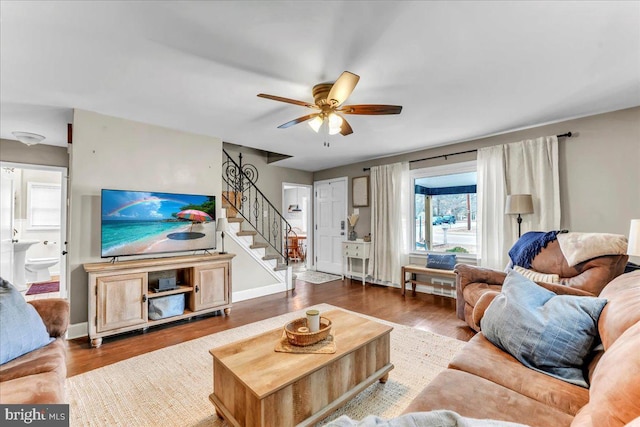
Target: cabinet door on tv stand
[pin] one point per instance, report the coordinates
(210, 286)
(121, 301)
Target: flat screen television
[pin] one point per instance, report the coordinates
(144, 222)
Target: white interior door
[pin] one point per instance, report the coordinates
(330, 223)
(6, 225)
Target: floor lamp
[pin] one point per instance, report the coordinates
(519, 204)
(221, 226)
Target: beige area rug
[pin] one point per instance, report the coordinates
(171, 386)
(316, 277)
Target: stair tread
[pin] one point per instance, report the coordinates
(233, 219)
(246, 233)
(259, 245)
(268, 257)
(280, 267)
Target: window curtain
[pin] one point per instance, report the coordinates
(525, 167)
(390, 189)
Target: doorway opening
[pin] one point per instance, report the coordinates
(296, 208)
(33, 231)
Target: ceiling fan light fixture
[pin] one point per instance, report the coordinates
(335, 123)
(316, 123)
(28, 138)
(329, 109)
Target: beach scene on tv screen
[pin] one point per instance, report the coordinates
(136, 223)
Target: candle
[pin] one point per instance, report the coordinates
(313, 320)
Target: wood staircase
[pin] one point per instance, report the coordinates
(280, 265)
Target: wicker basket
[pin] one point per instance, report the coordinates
(306, 338)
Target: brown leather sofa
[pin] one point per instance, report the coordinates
(587, 278)
(39, 376)
(484, 382)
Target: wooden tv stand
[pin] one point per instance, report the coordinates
(119, 293)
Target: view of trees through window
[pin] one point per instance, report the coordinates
(451, 227)
(445, 215)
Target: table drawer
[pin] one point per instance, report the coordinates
(353, 254)
(355, 250)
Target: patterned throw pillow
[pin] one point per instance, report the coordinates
(549, 333)
(536, 276)
(22, 328)
(441, 262)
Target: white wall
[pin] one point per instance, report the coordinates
(254, 279)
(109, 152)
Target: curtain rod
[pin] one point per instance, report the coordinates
(568, 135)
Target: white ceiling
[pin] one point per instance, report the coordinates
(461, 70)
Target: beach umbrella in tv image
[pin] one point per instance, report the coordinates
(194, 216)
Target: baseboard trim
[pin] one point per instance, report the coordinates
(258, 292)
(78, 330)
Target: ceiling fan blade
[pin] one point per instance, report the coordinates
(287, 100)
(345, 129)
(342, 88)
(298, 120)
(371, 109)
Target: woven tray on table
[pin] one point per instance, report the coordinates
(306, 338)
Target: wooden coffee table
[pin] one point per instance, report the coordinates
(255, 386)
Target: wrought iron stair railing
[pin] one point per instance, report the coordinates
(240, 194)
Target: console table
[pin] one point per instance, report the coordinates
(355, 250)
(418, 269)
(119, 293)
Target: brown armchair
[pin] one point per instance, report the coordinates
(476, 287)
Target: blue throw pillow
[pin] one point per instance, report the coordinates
(550, 333)
(441, 262)
(21, 327)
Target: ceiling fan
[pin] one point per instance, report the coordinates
(328, 103)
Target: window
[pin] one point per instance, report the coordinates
(444, 209)
(43, 205)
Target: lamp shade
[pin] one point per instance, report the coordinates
(634, 238)
(519, 204)
(316, 123)
(222, 224)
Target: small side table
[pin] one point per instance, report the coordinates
(355, 250)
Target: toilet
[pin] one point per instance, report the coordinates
(37, 269)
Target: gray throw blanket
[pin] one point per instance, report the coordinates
(422, 419)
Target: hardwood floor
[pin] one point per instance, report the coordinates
(424, 311)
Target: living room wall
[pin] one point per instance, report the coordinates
(40, 154)
(599, 171)
(109, 152)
